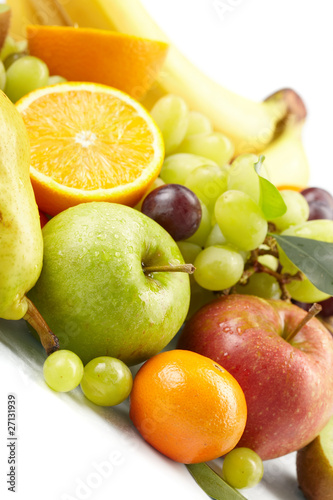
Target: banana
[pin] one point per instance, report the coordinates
(22, 15)
(285, 158)
(250, 125)
(25, 12)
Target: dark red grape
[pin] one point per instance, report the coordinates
(303, 305)
(313, 194)
(319, 210)
(327, 307)
(174, 207)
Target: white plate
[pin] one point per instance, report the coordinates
(70, 449)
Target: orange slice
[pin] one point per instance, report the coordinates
(122, 61)
(89, 142)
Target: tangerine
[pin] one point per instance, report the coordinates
(187, 406)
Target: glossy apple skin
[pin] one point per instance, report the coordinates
(288, 386)
(93, 292)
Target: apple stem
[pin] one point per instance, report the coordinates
(312, 312)
(49, 341)
(182, 268)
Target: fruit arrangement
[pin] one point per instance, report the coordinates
(166, 206)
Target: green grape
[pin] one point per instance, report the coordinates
(305, 291)
(12, 58)
(320, 230)
(198, 124)
(171, 115)
(199, 298)
(200, 236)
(241, 220)
(242, 468)
(53, 80)
(242, 176)
(269, 261)
(177, 167)
(2, 76)
(262, 285)
(218, 267)
(208, 182)
(24, 75)
(157, 183)
(106, 381)
(215, 237)
(297, 210)
(9, 47)
(211, 145)
(63, 370)
(189, 251)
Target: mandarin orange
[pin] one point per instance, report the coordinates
(187, 406)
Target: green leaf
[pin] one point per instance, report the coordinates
(314, 258)
(212, 483)
(271, 202)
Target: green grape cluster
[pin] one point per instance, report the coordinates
(21, 73)
(233, 223)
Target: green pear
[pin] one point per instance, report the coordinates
(21, 242)
(106, 288)
(315, 466)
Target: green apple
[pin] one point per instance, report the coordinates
(315, 466)
(93, 291)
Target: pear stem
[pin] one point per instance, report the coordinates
(49, 341)
(182, 268)
(312, 312)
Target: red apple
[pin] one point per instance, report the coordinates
(288, 386)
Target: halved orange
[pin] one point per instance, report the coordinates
(126, 62)
(89, 142)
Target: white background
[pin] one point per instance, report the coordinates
(69, 449)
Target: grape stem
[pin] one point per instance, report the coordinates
(182, 268)
(254, 266)
(49, 341)
(312, 312)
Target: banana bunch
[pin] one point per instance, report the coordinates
(272, 127)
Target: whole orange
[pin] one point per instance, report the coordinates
(187, 406)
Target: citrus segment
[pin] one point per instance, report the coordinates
(187, 406)
(122, 61)
(89, 142)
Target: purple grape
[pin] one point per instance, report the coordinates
(319, 210)
(314, 194)
(174, 207)
(303, 305)
(327, 307)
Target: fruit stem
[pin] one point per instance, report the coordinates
(49, 341)
(312, 312)
(182, 268)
